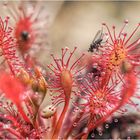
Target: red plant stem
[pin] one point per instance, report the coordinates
(12, 131)
(15, 133)
(54, 119)
(61, 118)
(71, 127)
(79, 136)
(20, 109)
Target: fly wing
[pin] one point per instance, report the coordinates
(98, 36)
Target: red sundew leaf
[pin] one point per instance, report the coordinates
(118, 48)
(24, 34)
(8, 47)
(30, 24)
(64, 73)
(62, 80)
(11, 87)
(113, 104)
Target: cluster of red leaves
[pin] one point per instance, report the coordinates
(107, 91)
(20, 83)
(93, 86)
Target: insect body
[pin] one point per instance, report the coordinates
(96, 43)
(24, 36)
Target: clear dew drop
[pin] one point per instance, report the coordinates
(6, 126)
(129, 129)
(92, 135)
(100, 128)
(128, 138)
(100, 133)
(85, 130)
(116, 120)
(75, 124)
(107, 126)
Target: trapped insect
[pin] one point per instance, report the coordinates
(96, 43)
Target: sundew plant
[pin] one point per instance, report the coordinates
(82, 90)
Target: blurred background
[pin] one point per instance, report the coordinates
(77, 22)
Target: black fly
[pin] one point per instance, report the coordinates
(96, 43)
(24, 36)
